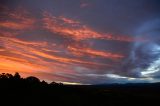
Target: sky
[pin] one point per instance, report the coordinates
(81, 41)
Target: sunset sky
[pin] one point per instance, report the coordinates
(81, 41)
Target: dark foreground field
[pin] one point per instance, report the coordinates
(16, 91)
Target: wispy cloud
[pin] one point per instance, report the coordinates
(60, 47)
(18, 19)
(35, 57)
(91, 52)
(77, 30)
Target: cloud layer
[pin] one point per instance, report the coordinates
(55, 46)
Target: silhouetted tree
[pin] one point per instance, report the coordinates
(32, 79)
(44, 82)
(17, 76)
(6, 76)
(9, 76)
(54, 83)
(3, 76)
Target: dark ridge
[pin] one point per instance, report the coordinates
(30, 91)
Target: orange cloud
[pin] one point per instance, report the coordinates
(69, 21)
(63, 59)
(1, 50)
(42, 44)
(92, 52)
(20, 52)
(76, 30)
(17, 25)
(19, 57)
(11, 64)
(19, 19)
(41, 57)
(7, 33)
(36, 57)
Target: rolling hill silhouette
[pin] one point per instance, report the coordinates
(30, 91)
